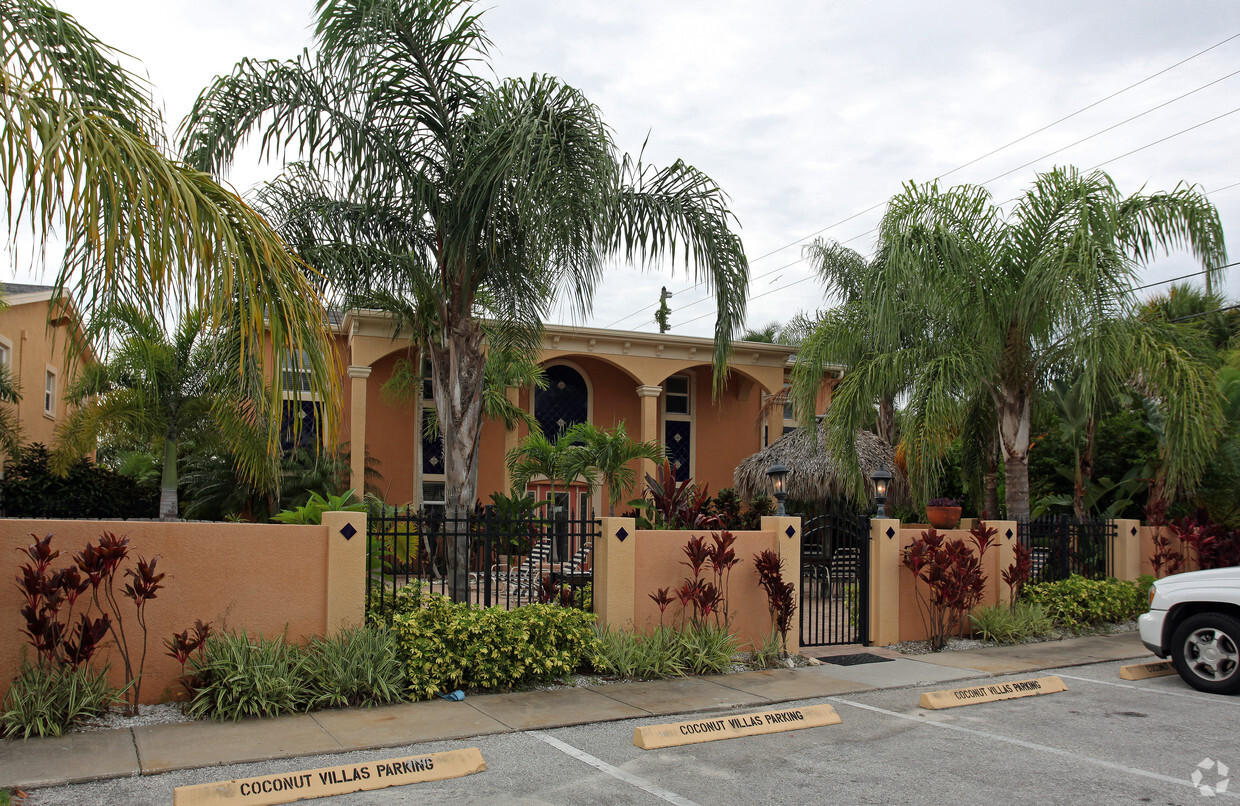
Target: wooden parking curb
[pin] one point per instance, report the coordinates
(731, 727)
(290, 786)
(1143, 671)
(994, 692)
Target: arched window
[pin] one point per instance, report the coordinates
(564, 403)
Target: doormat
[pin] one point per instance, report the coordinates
(855, 659)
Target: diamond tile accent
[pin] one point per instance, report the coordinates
(891, 532)
(1009, 534)
(348, 531)
(621, 534)
(1134, 531)
(790, 531)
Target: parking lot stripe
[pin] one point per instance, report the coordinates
(1044, 748)
(615, 772)
(1218, 699)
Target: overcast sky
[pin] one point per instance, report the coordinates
(811, 115)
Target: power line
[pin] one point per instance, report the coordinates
(988, 154)
(1168, 137)
(842, 221)
(1204, 313)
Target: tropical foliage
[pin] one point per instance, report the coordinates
(1009, 301)
(82, 156)
(428, 185)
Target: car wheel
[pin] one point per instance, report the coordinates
(1206, 652)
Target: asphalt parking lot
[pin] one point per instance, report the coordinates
(1103, 741)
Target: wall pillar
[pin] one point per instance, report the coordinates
(615, 570)
(885, 567)
(345, 597)
(1008, 538)
(650, 422)
(358, 377)
(788, 540)
(1126, 550)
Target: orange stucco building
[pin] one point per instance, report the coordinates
(658, 385)
(36, 331)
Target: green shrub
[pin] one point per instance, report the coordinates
(708, 648)
(667, 652)
(1079, 604)
(1011, 625)
(31, 489)
(238, 676)
(361, 666)
(447, 645)
(767, 654)
(47, 700)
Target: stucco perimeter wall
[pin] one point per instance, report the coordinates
(658, 558)
(264, 578)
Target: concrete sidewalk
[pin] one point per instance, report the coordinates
(161, 748)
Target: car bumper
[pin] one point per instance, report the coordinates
(1151, 627)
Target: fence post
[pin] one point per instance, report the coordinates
(1126, 557)
(346, 570)
(885, 567)
(615, 569)
(1008, 537)
(788, 545)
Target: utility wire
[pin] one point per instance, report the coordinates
(978, 159)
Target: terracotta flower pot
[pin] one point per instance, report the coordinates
(943, 517)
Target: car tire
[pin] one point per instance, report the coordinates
(1205, 650)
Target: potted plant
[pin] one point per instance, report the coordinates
(943, 513)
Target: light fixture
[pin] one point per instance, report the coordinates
(778, 474)
(881, 479)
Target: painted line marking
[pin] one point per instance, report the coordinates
(615, 772)
(1044, 748)
(1221, 699)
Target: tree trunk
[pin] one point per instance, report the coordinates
(168, 509)
(1012, 408)
(991, 503)
(1084, 470)
(458, 366)
(886, 425)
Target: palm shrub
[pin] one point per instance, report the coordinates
(238, 675)
(48, 700)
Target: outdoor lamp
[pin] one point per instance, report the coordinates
(778, 474)
(881, 480)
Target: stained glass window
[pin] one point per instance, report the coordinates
(564, 403)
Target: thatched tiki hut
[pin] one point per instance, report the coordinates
(813, 474)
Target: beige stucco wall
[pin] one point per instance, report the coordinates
(273, 579)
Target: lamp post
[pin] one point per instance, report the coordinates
(881, 479)
(778, 473)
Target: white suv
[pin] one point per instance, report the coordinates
(1195, 619)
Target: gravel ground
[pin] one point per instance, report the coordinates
(168, 713)
(958, 644)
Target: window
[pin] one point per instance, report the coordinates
(678, 424)
(433, 481)
(49, 393)
(301, 413)
(564, 403)
(6, 354)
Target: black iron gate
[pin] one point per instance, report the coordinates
(511, 561)
(835, 579)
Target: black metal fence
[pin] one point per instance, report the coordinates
(835, 579)
(483, 559)
(1060, 546)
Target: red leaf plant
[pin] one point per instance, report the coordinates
(780, 594)
(182, 645)
(953, 577)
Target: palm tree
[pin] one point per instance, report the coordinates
(82, 156)
(153, 389)
(471, 199)
(563, 460)
(1011, 301)
(611, 455)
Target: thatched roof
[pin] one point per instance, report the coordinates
(813, 474)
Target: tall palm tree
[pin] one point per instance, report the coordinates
(471, 198)
(154, 388)
(82, 155)
(1010, 301)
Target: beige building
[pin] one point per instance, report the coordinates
(36, 330)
